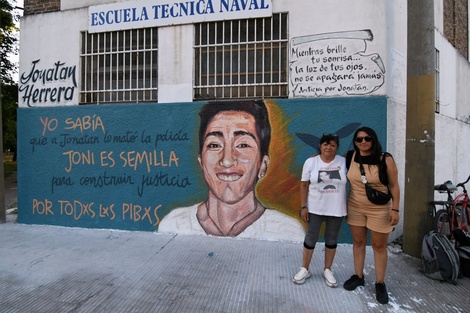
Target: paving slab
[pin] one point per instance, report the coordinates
(60, 269)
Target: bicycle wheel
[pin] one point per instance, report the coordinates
(441, 223)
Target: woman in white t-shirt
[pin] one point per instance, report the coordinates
(323, 199)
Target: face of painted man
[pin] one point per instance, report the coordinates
(230, 159)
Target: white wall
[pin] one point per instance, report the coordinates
(396, 25)
(452, 160)
(452, 137)
(463, 90)
(175, 63)
(56, 36)
(50, 38)
(74, 4)
(53, 37)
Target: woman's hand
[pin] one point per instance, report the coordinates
(394, 217)
(304, 214)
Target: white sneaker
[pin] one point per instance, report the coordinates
(330, 278)
(301, 276)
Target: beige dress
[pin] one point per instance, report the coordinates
(362, 212)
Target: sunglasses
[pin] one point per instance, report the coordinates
(330, 134)
(366, 138)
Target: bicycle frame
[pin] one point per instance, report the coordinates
(455, 210)
(463, 200)
(442, 217)
(448, 188)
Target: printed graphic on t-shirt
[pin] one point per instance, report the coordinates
(328, 179)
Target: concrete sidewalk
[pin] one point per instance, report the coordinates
(57, 269)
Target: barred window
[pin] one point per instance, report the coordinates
(119, 66)
(241, 58)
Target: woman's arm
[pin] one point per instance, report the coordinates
(304, 186)
(392, 174)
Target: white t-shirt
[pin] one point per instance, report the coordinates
(327, 190)
(272, 225)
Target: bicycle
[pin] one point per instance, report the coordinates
(455, 212)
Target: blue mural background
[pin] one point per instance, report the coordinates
(328, 115)
(52, 191)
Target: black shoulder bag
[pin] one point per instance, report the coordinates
(374, 196)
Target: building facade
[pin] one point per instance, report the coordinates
(110, 93)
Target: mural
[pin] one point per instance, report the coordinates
(234, 139)
(135, 166)
(334, 64)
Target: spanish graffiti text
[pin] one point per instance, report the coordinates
(57, 83)
(334, 64)
(94, 158)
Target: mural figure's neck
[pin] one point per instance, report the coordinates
(221, 219)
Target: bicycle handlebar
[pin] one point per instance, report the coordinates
(463, 184)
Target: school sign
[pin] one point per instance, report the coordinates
(151, 13)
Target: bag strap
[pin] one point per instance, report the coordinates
(363, 174)
(361, 168)
(349, 156)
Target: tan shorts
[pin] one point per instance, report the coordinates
(376, 219)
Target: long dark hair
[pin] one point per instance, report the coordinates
(376, 147)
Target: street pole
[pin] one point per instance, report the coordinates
(420, 125)
(2, 170)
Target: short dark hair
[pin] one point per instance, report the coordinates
(256, 108)
(328, 138)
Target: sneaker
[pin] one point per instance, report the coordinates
(330, 278)
(354, 282)
(381, 293)
(301, 276)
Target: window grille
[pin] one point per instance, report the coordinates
(438, 78)
(241, 58)
(119, 66)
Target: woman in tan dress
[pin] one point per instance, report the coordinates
(381, 172)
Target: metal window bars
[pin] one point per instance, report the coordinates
(119, 66)
(241, 58)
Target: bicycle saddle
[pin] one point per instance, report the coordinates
(447, 186)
